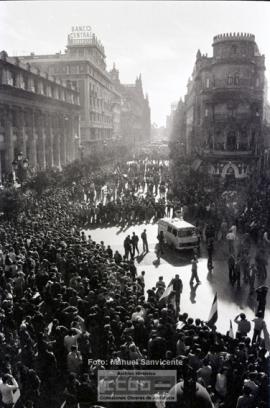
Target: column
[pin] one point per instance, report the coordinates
(9, 141)
(41, 137)
(74, 138)
(69, 135)
(78, 138)
(21, 132)
(66, 133)
(32, 140)
(48, 141)
(56, 143)
(62, 141)
(237, 139)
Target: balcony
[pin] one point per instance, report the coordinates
(229, 85)
(220, 150)
(238, 116)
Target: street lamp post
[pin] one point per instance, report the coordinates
(20, 166)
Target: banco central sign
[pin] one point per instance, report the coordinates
(80, 33)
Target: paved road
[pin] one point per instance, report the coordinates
(195, 301)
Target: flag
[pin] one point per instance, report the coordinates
(213, 316)
(166, 294)
(49, 327)
(231, 333)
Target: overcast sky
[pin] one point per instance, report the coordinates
(157, 39)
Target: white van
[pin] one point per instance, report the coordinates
(179, 233)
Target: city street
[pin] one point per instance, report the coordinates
(196, 301)
(129, 129)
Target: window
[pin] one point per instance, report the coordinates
(230, 80)
(206, 112)
(188, 232)
(234, 49)
(207, 83)
(174, 232)
(169, 229)
(236, 79)
(257, 82)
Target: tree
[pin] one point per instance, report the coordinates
(12, 202)
(43, 179)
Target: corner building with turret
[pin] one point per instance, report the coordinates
(223, 108)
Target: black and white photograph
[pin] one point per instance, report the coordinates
(134, 204)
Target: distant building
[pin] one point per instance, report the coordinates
(39, 116)
(135, 119)
(222, 125)
(83, 65)
(170, 119)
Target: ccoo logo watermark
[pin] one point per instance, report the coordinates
(135, 385)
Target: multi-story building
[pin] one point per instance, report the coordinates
(135, 118)
(39, 117)
(224, 107)
(170, 119)
(83, 65)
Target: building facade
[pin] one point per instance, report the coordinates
(223, 109)
(83, 65)
(39, 117)
(135, 117)
(170, 119)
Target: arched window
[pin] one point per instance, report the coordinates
(230, 171)
(236, 79)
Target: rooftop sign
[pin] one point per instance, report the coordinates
(80, 32)
(83, 35)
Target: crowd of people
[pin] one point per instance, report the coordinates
(133, 193)
(71, 307)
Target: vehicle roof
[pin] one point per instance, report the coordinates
(177, 222)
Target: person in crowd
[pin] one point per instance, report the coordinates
(246, 399)
(161, 241)
(259, 325)
(71, 339)
(74, 360)
(189, 393)
(177, 286)
(230, 237)
(231, 267)
(243, 324)
(261, 292)
(128, 248)
(160, 287)
(237, 273)
(7, 388)
(194, 271)
(222, 383)
(144, 241)
(210, 250)
(252, 277)
(134, 242)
